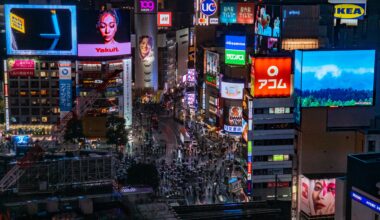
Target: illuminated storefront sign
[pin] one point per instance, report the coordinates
(365, 201)
(235, 50)
(65, 87)
(234, 120)
(26, 36)
(127, 91)
(245, 13)
(164, 19)
(228, 13)
(349, 11)
(206, 12)
(272, 77)
(21, 68)
(146, 6)
(211, 68)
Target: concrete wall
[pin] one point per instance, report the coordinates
(324, 151)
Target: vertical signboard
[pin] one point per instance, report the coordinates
(65, 87)
(6, 99)
(211, 66)
(127, 91)
(146, 74)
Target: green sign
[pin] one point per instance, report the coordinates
(235, 57)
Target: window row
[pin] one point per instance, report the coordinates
(274, 110)
(34, 111)
(273, 142)
(274, 126)
(276, 157)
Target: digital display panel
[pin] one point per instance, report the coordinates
(41, 30)
(235, 50)
(317, 196)
(21, 140)
(335, 78)
(272, 77)
(300, 21)
(268, 21)
(230, 90)
(103, 33)
(212, 68)
(233, 121)
(233, 12)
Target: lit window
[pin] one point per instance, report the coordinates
(42, 74)
(278, 157)
(44, 119)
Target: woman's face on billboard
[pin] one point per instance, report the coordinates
(145, 47)
(323, 196)
(108, 27)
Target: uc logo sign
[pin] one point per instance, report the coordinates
(208, 7)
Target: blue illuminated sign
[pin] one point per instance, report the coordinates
(21, 140)
(228, 13)
(209, 7)
(65, 95)
(41, 30)
(235, 42)
(365, 201)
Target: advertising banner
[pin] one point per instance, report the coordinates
(212, 68)
(245, 13)
(317, 196)
(335, 78)
(206, 12)
(41, 30)
(65, 87)
(235, 50)
(109, 34)
(233, 119)
(272, 77)
(127, 91)
(228, 13)
(21, 68)
(164, 19)
(146, 63)
(230, 90)
(300, 21)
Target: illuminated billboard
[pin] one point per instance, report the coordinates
(300, 21)
(230, 90)
(317, 196)
(335, 78)
(145, 6)
(164, 19)
(211, 66)
(41, 30)
(349, 11)
(233, 121)
(268, 21)
(235, 50)
(272, 77)
(109, 34)
(206, 12)
(233, 12)
(21, 68)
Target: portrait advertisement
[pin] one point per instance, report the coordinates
(103, 33)
(146, 62)
(318, 196)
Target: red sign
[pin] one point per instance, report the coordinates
(164, 19)
(245, 13)
(22, 68)
(249, 169)
(279, 184)
(271, 76)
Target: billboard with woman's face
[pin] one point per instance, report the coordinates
(318, 196)
(103, 33)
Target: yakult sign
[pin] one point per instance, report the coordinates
(146, 6)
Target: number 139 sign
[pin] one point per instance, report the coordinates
(271, 77)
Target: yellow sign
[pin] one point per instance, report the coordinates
(17, 23)
(349, 11)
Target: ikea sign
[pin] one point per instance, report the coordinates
(349, 11)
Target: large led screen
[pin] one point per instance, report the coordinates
(231, 90)
(268, 21)
(41, 30)
(211, 67)
(233, 121)
(272, 77)
(317, 196)
(103, 33)
(336, 78)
